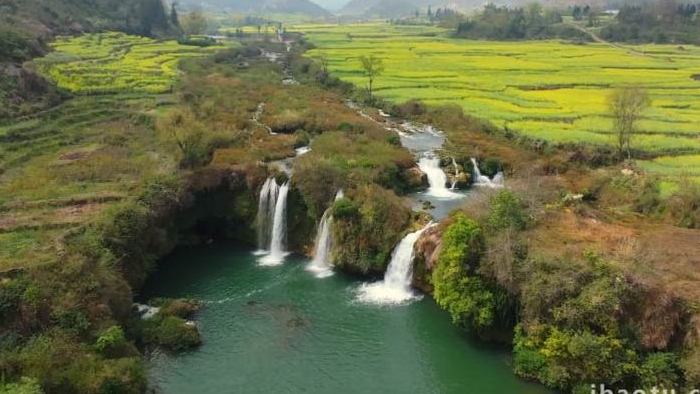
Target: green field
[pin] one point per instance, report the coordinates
(116, 62)
(542, 89)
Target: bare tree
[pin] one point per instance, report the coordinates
(626, 107)
(373, 68)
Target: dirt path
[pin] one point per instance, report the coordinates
(598, 39)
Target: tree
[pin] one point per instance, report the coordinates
(174, 18)
(373, 68)
(194, 23)
(153, 18)
(626, 107)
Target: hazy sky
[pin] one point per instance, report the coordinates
(331, 4)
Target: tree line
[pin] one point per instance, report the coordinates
(661, 21)
(664, 21)
(517, 23)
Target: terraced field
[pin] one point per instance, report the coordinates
(64, 166)
(542, 89)
(116, 62)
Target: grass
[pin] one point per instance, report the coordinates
(116, 62)
(547, 90)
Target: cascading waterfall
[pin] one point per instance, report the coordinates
(498, 180)
(396, 286)
(321, 263)
(437, 178)
(457, 174)
(266, 214)
(272, 222)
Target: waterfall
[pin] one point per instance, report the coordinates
(272, 222)
(498, 180)
(321, 263)
(437, 178)
(396, 286)
(266, 213)
(457, 174)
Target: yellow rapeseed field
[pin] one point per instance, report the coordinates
(116, 63)
(551, 90)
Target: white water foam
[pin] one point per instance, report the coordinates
(430, 165)
(497, 182)
(396, 286)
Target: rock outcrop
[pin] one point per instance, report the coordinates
(427, 251)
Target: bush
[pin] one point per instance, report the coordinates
(684, 205)
(507, 212)
(62, 365)
(171, 332)
(318, 181)
(565, 359)
(15, 46)
(112, 343)
(24, 386)
(660, 370)
(367, 226)
(472, 302)
(181, 307)
(345, 209)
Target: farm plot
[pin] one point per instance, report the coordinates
(116, 63)
(548, 90)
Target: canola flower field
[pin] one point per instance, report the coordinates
(549, 90)
(116, 63)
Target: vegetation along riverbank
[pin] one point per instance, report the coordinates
(494, 177)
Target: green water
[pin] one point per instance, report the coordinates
(281, 330)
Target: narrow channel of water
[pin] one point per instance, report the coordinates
(280, 329)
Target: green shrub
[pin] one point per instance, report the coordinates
(171, 332)
(528, 362)
(507, 211)
(112, 343)
(344, 208)
(60, 364)
(14, 46)
(11, 293)
(472, 302)
(24, 386)
(318, 181)
(71, 320)
(660, 370)
(565, 359)
(366, 228)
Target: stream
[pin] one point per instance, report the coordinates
(274, 322)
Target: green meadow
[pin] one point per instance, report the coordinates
(549, 90)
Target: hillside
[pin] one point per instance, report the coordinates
(27, 25)
(399, 8)
(305, 7)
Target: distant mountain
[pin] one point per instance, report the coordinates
(332, 5)
(262, 6)
(399, 8)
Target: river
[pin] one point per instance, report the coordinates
(282, 330)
